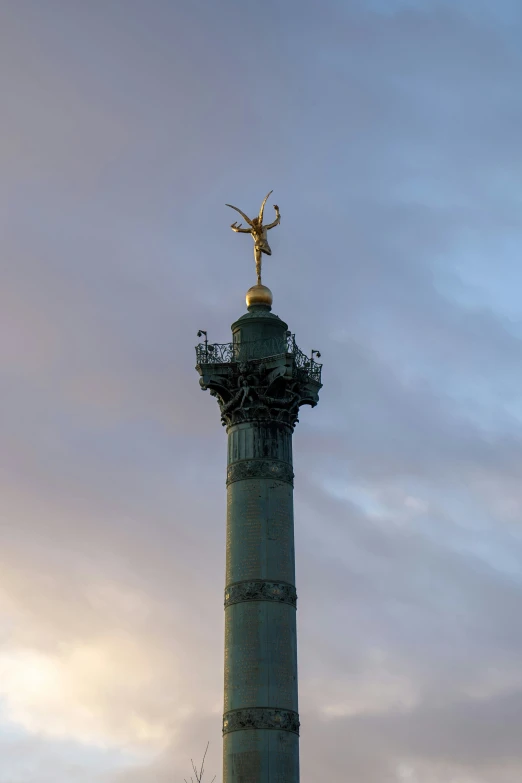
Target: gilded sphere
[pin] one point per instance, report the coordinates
(259, 295)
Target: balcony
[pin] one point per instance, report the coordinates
(257, 351)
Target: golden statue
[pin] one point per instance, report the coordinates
(258, 231)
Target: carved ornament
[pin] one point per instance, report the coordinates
(260, 468)
(259, 390)
(260, 590)
(261, 718)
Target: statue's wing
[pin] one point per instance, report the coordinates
(261, 211)
(245, 217)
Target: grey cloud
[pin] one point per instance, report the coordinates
(480, 741)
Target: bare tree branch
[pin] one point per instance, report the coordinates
(199, 775)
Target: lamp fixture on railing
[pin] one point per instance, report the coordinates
(202, 332)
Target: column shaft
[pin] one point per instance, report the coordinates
(260, 722)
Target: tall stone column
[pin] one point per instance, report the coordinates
(260, 380)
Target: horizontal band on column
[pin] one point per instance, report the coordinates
(260, 590)
(260, 468)
(261, 718)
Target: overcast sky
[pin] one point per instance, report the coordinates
(391, 134)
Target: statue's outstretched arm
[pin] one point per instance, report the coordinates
(240, 230)
(276, 221)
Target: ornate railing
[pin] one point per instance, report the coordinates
(303, 362)
(228, 353)
(217, 353)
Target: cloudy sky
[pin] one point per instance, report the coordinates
(390, 131)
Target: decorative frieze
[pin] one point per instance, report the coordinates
(260, 590)
(270, 389)
(260, 468)
(261, 718)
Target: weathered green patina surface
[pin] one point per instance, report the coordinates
(260, 381)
